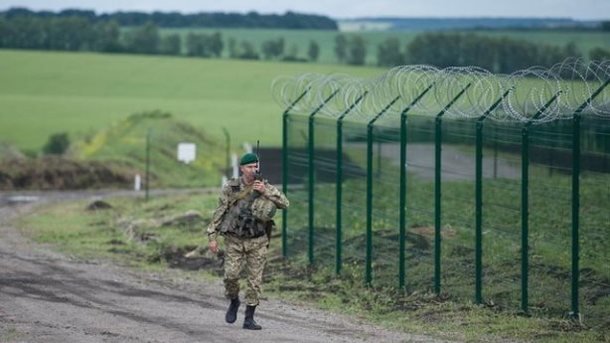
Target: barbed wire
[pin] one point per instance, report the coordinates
(534, 94)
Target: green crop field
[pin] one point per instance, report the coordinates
(49, 92)
(584, 40)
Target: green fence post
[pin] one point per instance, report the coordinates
(403, 188)
(437, 191)
(285, 169)
(479, 199)
(525, 203)
(339, 183)
(312, 174)
(524, 216)
(369, 192)
(575, 313)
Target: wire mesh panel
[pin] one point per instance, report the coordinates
(420, 203)
(325, 174)
(595, 221)
(501, 226)
(457, 207)
(297, 178)
(550, 209)
(386, 192)
(353, 206)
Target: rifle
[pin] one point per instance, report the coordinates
(258, 175)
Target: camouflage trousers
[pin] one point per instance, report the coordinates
(253, 253)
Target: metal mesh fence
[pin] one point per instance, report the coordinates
(492, 188)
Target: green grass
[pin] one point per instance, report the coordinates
(125, 144)
(104, 234)
(80, 93)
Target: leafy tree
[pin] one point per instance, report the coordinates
(171, 44)
(599, 54)
(57, 144)
(108, 35)
(204, 45)
(215, 44)
(69, 33)
(605, 25)
(196, 44)
(273, 49)
(341, 48)
(293, 52)
(232, 48)
(246, 51)
(313, 51)
(571, 50)
(388, 53)
(144, 39)
(356, 50)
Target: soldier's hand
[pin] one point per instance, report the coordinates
(213, 246)
(259, 186)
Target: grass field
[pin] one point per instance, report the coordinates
(48, 92)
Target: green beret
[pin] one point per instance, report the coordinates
(248, 158)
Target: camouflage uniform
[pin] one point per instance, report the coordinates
(239, 249)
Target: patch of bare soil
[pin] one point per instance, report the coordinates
(59, 173)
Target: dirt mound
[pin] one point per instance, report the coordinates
(59, 173)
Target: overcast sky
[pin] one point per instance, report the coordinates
(576, 9)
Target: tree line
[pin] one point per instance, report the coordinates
(288, 20)
(499, 55)
(74, 33)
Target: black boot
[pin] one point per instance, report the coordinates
(231, 315)
(249, 323)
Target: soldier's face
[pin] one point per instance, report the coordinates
(248, 170)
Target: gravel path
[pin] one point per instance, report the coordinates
(46, 296)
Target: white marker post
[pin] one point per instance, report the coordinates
(137, 183)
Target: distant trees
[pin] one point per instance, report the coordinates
(341, 48)
(389, 54)
(356, 52)
(171, 45)
(204, 45)
(273, 49)
(76, 30)
(289, 20)
(351, 51)
(143, 40)
(599, 54)
(313, 51)
(501, 55)
(108, 37)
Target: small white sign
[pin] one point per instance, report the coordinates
(186, 152)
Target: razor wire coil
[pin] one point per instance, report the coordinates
(524, 95)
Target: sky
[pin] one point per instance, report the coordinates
(343, 9)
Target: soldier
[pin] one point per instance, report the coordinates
(244, 217)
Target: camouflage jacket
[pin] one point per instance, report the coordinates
(226, 199)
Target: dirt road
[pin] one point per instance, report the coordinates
(48, 297)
